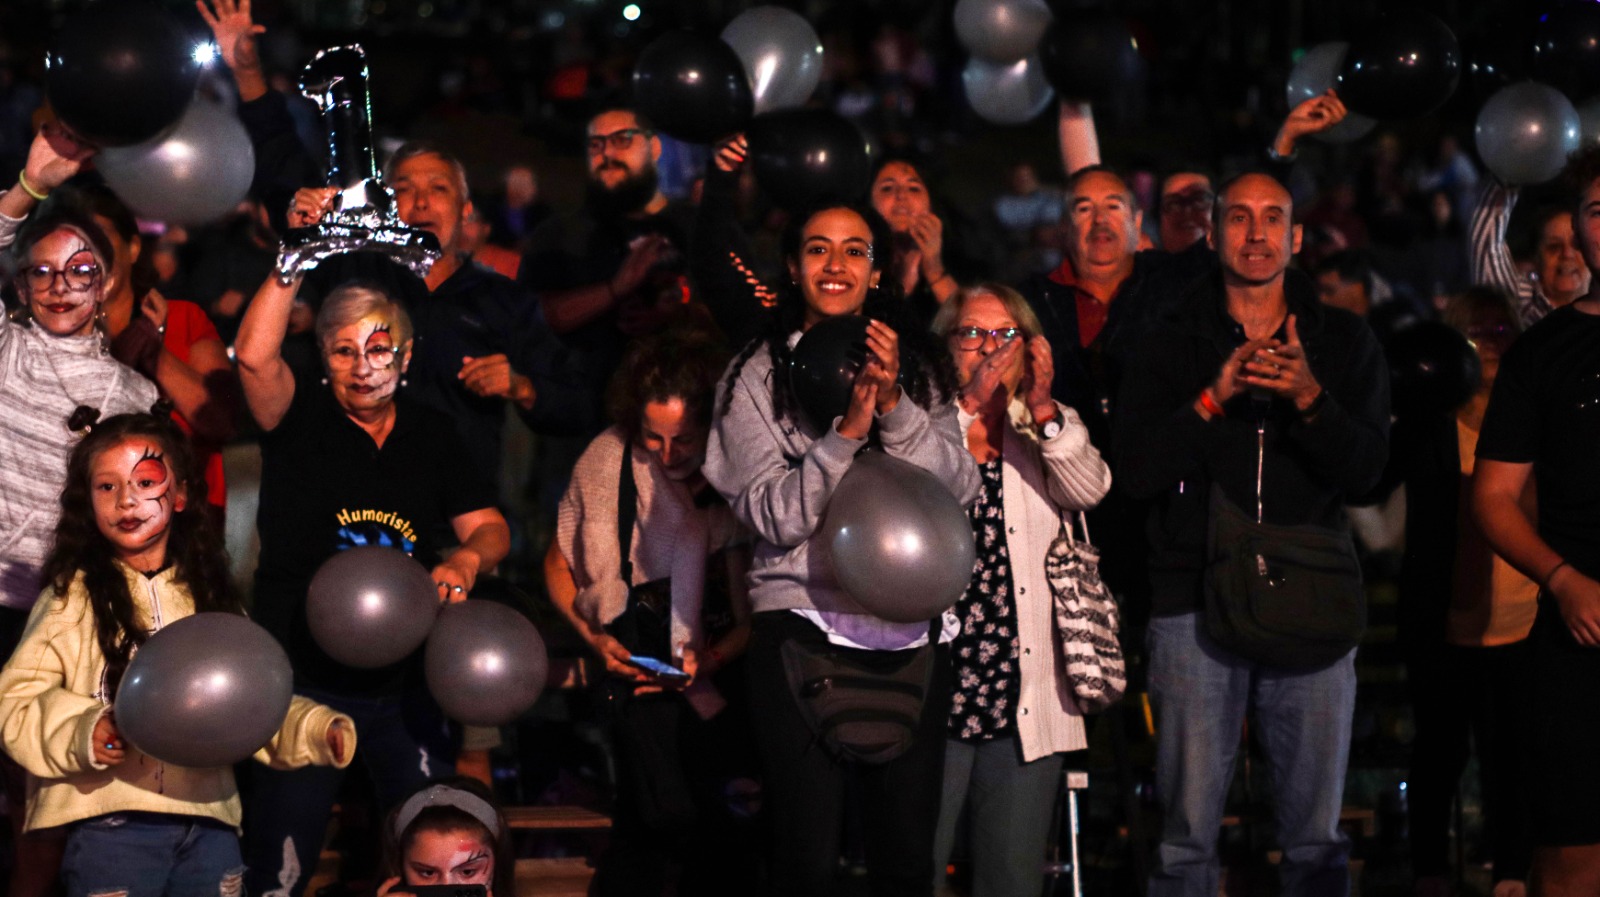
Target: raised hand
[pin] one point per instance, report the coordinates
(233, 30)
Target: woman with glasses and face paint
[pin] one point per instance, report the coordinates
(56, 378)
(778, 472)
(1012, 711)
(349, 462)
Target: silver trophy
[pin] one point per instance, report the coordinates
(363, 216)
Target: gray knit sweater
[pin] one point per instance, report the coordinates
(43, 378)
(778, 481)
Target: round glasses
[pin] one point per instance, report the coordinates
(75, 278)
(343, 358)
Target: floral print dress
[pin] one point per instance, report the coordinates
(986, 651)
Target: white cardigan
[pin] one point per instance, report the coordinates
(1040, 480)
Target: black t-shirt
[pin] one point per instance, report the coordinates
(326, 486)
(1545, 410)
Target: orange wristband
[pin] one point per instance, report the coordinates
(1209, 402)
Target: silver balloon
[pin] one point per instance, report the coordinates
(1313, 76)
(781, 53)
(208, 690)
(195, 173)
(485, 663)
(371, 606)
(902, 545)
(1007, 93)
(1001, 30)
(1525, 132)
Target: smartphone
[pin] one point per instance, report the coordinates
(657, 668)
(444, 890)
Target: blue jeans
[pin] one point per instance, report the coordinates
(1302, 720)
(402, 740)
(152, 855)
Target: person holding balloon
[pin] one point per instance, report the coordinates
(1559, 274)
(349, 463)
(779, 470)
(133, 553)
(1013, 712)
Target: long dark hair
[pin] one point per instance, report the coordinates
(194, 546)
(927, 374)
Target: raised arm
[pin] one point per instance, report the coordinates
(1491, 261)
(235, 34)
(720, 254)
(53, 158)
(1080, 144)
(267, 381)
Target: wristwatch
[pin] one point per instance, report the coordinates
(1051, 428)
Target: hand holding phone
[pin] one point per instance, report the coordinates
(657, 668)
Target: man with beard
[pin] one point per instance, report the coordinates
(593, 269)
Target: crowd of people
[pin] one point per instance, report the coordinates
(1205, 387)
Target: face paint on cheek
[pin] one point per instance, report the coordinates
(384, 379)
(150, 479)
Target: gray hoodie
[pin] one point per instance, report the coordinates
(778, 481)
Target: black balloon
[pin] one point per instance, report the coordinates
(823, 368)
(1432, 369)
(1566, 50)
(693, 87)
(1404, 65)
(805, 156)
(120, 72)
(1089, 55)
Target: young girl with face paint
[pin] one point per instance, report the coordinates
(448, 833)
(134, 551)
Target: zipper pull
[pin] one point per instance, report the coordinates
(1261, 566)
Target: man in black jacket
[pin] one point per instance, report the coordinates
(1282, 403)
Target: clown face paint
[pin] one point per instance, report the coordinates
(135, 495)
(63, 256)
(449, 858)
(364, 365)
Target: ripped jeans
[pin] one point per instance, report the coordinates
(401, 740)
(152, 855)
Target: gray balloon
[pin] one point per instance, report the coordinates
(1313, 76)
(1525, 132)
(485, 663)
(781, 53)
(195, 173)
(1001, 30)
(208, 690)
(901, 544)
(1007, 93)
(371, 606)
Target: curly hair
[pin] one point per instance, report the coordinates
(683, 362)
(445, 819)
(194, 547)
(927, 373)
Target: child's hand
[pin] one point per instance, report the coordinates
(107, 741)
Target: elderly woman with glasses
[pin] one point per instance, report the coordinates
(56, 379)
(347, 463)
(1012, 710)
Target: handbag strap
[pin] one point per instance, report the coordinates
(627, 510)
(1083, 523)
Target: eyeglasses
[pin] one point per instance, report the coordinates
(1480, 332)
(75, 278)
(617, 140)
(970, 339)
(344, 358)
